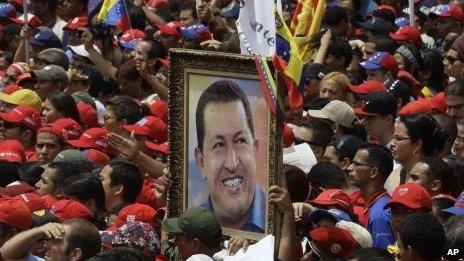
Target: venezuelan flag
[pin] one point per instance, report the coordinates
(288, 62)
(114, 12)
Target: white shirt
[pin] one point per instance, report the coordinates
(58, 27)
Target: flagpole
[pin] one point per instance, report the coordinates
(411, 12)
(26, 41)
(128, 18)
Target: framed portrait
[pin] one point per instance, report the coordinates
(225, 145)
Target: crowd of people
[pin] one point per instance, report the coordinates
(84, 133)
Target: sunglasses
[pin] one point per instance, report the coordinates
(452, 59)
(299, 141)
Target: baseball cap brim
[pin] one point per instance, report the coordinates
(81, 143)
(320, 214)
(6, 98)
(137, 129)
(318, 114)
(398, 37)
(171, 225)
(368, 65)
(458, 211)
(162, 148)
(9, 117)
(129, 45)
(41, 74)
(360, 111)
(168, 30)
(409, 205)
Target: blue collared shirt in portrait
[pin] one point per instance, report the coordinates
(256, 216)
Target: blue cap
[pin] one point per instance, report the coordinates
(458, 208)
(45, 37)
(333, 214)
(197, 32)
(381, 60)
(401, 21)
(7, 11)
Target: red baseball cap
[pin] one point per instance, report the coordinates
(381, 60)
(131, 37)
(49, 200)
(415, 107)
(15, 213)
(163, 147)
(412, 196)
(33, 200)
(289, 136)
(77, 23)
(159, 108)
(171, 28)
(444, 196)
(449, 10)
(332, 240)
(68, 209)
(437, 102)
(65, 128)
(9, 89)
(407, 33)
(25, 115)
(135, 212)
(150, 126)
(12, 151)
(87, 115)
(334, 197)
(367, 87)
(94, 138)
(32, 20)
(97, 157)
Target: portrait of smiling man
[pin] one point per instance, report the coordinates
(226, 155)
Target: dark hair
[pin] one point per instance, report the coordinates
(83, 235)
(454, 228)
(52, 4)
(297, 183)
(380, 157)
(334, 15)
(385, 14)
(423, 233)
(425, 128)
(345, 146)
(440, 170)
(450, 127)
(458, 168)
(156, 49)
(371, 254)
(30, 172)
(456, 88)
(433, 62)
(383, 44)
(137, 17)
(125, 108)
(189, 5)
(222, 91)
(442, 203)
(327, 175)
(118, 254)
(99, 84)
(86, 186)
(8, 173)
(128, 70)
(340, 48)
(321, 131)
(65, 104)
(62, 171)
(128, 175)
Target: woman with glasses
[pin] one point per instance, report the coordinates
(453, 59)
(415, 137)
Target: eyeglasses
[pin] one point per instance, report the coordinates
(452, 59)
(299, 141)
(399, 138)
(360, 164)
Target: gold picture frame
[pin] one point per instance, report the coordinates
(191, 72)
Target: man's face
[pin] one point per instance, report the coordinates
(38, 7)
(169, 41)
(453, 63)
(72, 7)
(46, 186)
(459, 142)
(360, 169)
(373, 124)
(377, 75)
(228, 160)
(455, 107)
(306, 135)
(418, 175)
(445, 25)
(45, 88)
(331, 155)
(56, 248)
(333, 90)
(187, 18)
(141, 50)
(399, 214)
(47, 147)
(185, 245)
(109, 190)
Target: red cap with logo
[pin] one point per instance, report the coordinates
(412, 196)
(68, 209)
(15, 213)
(65, 128)
(159, 108)
(135, 212)
(32, 20)
(334, 197)
(171, 28)
(437, 102)
(162, 148)
(12, 151)
(414, 108)
(33, 200)
(367, 87)
(97, 157)
(94, 138)
(407, 33)
(150, 126)
(87, 114)
(333, 241)
(77, 23)
(25, 115)
(49, 200)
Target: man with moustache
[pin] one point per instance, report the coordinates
(226, 156)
